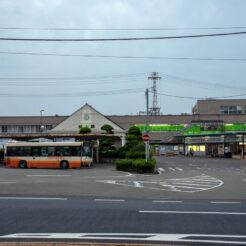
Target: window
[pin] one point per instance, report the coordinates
(48, 127)
(75, 151)
(231, 109)
(224, 110)
(92, 126)
(51, 151)
(4, 129)
(35, 151)
(25, 151)
(20, 129)
(63, 151)
(43, 151)
(86, 151)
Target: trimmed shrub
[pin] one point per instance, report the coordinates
(141, 166)
(137, 166)
(124, 165)
(108, 129)
(84, 130)
(135, 155)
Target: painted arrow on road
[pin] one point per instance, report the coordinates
(190, 184)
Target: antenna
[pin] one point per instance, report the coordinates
(155, 110)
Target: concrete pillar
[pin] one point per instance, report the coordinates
(123, 140)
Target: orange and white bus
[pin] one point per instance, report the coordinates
(47, 154)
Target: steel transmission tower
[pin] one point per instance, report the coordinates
(155, 110)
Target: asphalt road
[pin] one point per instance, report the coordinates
(190, 200)
(26, 218)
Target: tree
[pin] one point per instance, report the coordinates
(134, 130)
(107, 128)
(84, 130)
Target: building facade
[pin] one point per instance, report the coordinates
(211, 131)
(220, 106)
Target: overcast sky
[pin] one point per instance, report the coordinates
(133, 73)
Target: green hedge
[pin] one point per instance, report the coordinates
(137, 166)
(135, 155)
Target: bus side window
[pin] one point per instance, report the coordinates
(75, 151)
(51, 151)
(58, 151)
(43, 151)
(26, 151)
(9, 151)
(13, 151)
(35, 151)
(66, 151)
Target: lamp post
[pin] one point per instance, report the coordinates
(41, 121)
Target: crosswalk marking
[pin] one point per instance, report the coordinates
(145, 237)
(172, 169)
(178, 168)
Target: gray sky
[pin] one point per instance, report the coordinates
(118, 14)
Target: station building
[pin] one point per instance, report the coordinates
(215, 128)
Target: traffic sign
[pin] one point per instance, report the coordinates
(145, 137)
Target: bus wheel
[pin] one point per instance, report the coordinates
(64, 164)
(22, 164)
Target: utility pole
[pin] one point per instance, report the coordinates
(155, 110)
(147, 125)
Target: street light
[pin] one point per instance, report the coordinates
(41, 121)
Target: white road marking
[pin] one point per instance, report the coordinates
(161, 201)
(33, 198)
(109, 200)
(137, 184)
(225, 202)
(190, 184)
(161, 169)
(185, 238)
(122, 176)
(48, 175)
(172, 169)
(178, 168)
(189, 212)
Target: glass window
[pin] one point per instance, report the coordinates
(43, 151)
(63, 151)
(35, 151)
(12, 151)
(86, 151)
(20, 129)
(75, 151)
(26, 151)
(4, 129)
(51, 151)
(224, 109)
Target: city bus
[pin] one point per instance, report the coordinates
(47, 154)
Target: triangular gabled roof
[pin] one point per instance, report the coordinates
(86, 116)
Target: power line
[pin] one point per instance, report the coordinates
(200, 98)
(120, 29)
(101, 77)
(195, 81)
(121, 39)
(75, 94)
(124, 57)
(71, 83)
